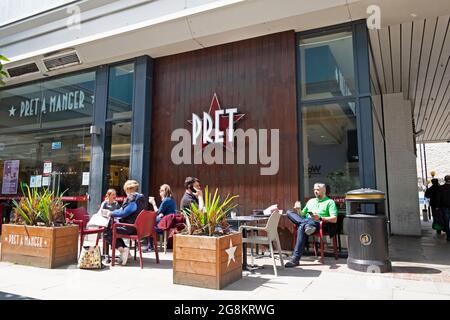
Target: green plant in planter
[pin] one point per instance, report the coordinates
(41, 208)
(204, 222)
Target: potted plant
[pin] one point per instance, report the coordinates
(207, 254)
(39, 235)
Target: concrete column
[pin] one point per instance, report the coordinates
(401, 166)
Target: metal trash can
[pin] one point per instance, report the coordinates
(366, 227)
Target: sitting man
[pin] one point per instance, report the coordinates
(193, 194)
(317, 209)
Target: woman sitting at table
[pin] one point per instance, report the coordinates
(168, 206)
(110, 202)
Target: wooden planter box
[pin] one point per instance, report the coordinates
(46, 247)
(202, 261)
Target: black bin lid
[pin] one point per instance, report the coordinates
(365, 194)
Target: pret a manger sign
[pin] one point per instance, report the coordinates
(72, 100)
(215, 140)
(26, 241)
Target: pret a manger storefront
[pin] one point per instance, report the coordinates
(300, 101)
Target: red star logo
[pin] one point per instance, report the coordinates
(224, 121)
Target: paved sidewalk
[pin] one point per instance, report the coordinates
(421, 271)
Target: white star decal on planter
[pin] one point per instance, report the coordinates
(230, 251)
(12, 111)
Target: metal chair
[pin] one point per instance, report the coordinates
(271, 229)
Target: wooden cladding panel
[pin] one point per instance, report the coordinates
(257, 77)
(201, 255)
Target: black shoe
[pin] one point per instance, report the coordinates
(106, 260)
(292, 263)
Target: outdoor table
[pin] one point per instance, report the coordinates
(245, 220)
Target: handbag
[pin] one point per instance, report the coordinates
(90, 258)
(99, 219)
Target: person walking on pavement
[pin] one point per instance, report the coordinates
(432, 194)
(443, 204)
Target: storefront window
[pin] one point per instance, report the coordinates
(330, 147)
(56, 159)
(326, 66)
(119, 139)
(120, 91)
(44, 136)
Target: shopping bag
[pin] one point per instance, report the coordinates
(90, 258)
(100, 219)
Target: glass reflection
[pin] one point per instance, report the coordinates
(330, 147)
(120, 91)
(327, 69)
(118, 147)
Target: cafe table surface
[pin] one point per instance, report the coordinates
(245, 220)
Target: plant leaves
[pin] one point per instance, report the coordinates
(204, 222)
(39, 207)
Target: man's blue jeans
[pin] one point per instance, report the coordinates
(446, 218)
(302, 237)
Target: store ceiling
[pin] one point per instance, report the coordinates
(414, 58)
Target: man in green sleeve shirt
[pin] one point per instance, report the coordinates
(308, 220)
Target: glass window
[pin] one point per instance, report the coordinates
(330, 147)
(120, 91)
(54, 103)
(58, 159)
(326, 64)
(118, 142)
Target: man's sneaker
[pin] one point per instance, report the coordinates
(292, 263)
(124, 255)
(309, 229)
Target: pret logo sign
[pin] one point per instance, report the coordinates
(215, 140)
(216, 126)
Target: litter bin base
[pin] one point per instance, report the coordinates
(371, 266)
